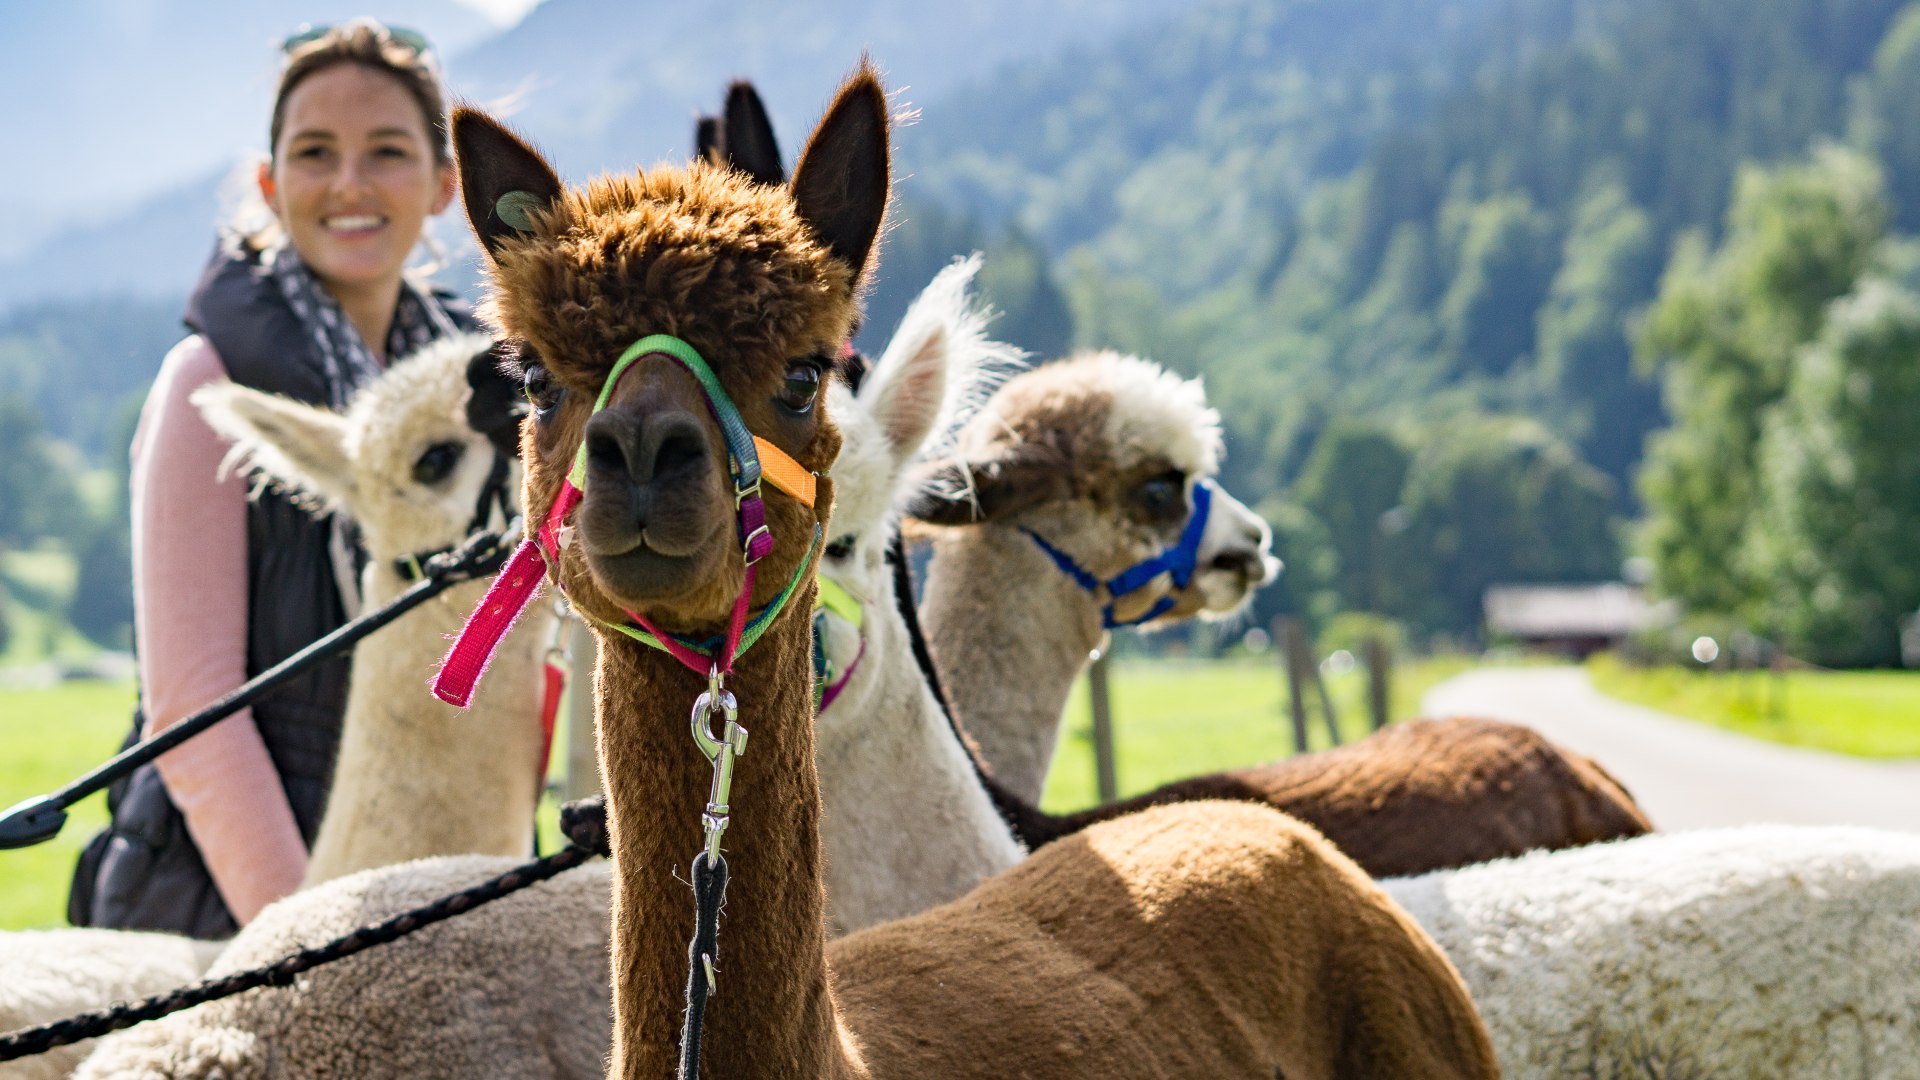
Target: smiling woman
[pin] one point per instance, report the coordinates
(226, 586)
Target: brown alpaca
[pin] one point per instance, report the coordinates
(1221, 940)
(1421, 796)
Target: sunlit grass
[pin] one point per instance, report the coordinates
(1175, 718)
(1865, 713)
(47, 738)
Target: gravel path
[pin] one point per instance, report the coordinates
(1687, 775)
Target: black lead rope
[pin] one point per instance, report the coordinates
(703, 953)
(38, 1040)
(41, 818)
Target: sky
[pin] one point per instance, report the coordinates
(502, 12)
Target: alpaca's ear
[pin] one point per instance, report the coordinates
(502, 180)
(497, 403)
(707, 144)
(840, 183)
(906, 392)
(749, 143)
(962, 493)
(302, 447)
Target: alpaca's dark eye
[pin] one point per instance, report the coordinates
(436, 462)
(802, 387)
(842, 547)
(541, 390)
(1163, 497)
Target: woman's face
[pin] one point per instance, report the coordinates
(354, 176)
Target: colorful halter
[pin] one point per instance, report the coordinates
(1179, 561)
(834, 602)
(521, 577)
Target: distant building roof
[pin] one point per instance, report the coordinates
(1610, 610)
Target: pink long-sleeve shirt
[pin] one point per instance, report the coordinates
(190, 612)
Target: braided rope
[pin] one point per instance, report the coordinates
(37, 1040)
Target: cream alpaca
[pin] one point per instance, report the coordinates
(385, 807)
(414, 777)
(1098, 455)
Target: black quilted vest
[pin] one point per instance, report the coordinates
(143, 872)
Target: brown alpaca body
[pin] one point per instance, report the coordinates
(1420, 796)
(1242, 929)
(1171, 943)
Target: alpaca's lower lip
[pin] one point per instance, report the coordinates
(641, 575)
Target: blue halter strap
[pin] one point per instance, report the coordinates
(1178, 562)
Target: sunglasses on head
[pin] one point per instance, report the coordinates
(412, 40)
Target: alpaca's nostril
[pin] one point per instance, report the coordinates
(1233, 562)
(604, 451)
(682, 451)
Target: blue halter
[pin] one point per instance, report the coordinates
(1178, 562)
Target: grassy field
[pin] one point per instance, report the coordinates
(1172, 718)
(48, 737)
(1865, 713)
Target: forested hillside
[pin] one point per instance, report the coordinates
(1486, 290)
(1427, 220)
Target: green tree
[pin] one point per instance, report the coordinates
(1309, 565)
(1016, 277)
(102, 604)
(1608, 266)
(1891, 115)
(1505, 260)
(1840, 486)
(37, 497)
(1723, 333)
(1493, 501)
(1351, 483)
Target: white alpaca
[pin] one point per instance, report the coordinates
(406, 464)
(48, 975)
(414, 776)
(1763, 951)
(904, 818)
(1100, 457)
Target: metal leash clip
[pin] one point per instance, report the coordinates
(732, 743)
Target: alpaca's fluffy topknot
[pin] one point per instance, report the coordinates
(701, 253)
(1104, 412)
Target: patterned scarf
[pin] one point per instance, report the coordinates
(349, 363)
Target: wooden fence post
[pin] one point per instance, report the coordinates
(1379, 681)
(1291, 637)
(1105, 774)
(1311, 670)
(583, 760)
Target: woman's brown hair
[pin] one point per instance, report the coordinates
(371, 45)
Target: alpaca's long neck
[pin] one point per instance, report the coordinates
(1010, 633)
(773, 1014)
(907, 824)
(416, 777)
